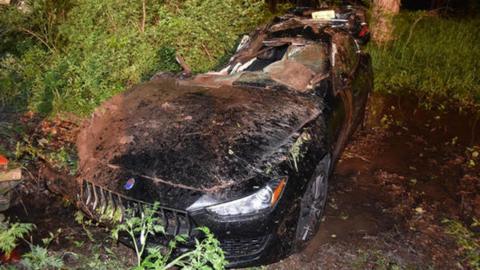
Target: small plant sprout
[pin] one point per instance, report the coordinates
(11, 233)
(51, 236)
(38, 257)
(207, 253)
(139, 228)
(80, 219)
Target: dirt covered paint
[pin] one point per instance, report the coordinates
(192, 137)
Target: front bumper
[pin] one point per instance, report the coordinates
(244, 252)
(248, 241)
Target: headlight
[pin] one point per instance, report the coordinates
(262, 199)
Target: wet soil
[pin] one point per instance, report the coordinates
(81, 245)
(398, 179)
(403, 173)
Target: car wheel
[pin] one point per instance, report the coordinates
(313, 202)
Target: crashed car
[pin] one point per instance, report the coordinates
(246, 151)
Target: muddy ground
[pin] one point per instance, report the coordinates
(403, 174)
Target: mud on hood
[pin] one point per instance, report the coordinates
(192, 137)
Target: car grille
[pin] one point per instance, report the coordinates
(105, 205)
(241, 247)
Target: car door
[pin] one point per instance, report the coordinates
(345, 59)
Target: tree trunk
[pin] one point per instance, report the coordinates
(383, 13)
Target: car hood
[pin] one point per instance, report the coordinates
(190, 137)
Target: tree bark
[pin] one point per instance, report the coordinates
(382, 23)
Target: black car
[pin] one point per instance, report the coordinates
(246, 151)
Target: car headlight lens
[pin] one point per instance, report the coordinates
(265, 198)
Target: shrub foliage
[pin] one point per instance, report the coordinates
(70, 55)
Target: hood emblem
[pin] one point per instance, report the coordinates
(129, 184)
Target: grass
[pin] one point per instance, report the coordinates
(431, 57)
(375, 259)
(70, 55)
(467, 239)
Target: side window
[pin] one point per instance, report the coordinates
(344, 58)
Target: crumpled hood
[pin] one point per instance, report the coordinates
(187, 136)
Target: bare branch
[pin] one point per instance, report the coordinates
(43, 41)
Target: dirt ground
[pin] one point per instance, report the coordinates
(406, 171)
(399, 178)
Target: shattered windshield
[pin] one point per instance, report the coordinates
(280, 56)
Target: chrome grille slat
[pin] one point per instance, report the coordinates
(89, 193)
(165, 219)
(177, 224)
(113, 206)
(133, 207)
(162, 217)
(95, 197)
(122, 208)
(138, 209)
(188, 227)
(97, 200)
(103, 204)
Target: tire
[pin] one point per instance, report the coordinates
(313, 202)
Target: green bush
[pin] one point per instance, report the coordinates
(69, 56)
(431, 57)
